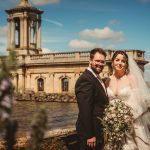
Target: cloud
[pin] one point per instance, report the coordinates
(103, 34)
(46, 50)
(45, 2)
(80, 44)
(53, 22)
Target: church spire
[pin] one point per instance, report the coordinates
(24, 3)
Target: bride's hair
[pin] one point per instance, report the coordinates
(116, 53)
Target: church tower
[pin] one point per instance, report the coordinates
(24, 29)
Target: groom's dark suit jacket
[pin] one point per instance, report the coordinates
(91, 99)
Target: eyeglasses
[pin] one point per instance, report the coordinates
(99, 62)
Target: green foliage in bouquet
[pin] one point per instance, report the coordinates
(117, 122)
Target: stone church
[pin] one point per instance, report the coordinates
(50, 72)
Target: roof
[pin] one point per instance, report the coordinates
(24, 5)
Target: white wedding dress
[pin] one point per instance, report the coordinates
(128, 95)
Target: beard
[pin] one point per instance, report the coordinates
(97, 69)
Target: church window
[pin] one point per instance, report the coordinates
(65, 84)
(40, 83)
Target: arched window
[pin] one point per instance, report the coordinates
(40, 83)
(65, 83)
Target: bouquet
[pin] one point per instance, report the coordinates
(118, 122)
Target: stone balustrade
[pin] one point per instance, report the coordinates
(65, 57)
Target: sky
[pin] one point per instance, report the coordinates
(70, 25)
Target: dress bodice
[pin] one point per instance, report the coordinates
(128, 96)
(123, 93)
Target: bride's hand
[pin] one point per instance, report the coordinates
(91, 142)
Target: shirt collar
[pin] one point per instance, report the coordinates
(92, 72)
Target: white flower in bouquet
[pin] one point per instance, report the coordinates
(118, 121)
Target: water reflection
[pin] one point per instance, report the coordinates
(59, 115)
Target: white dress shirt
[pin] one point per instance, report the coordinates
(98, 77)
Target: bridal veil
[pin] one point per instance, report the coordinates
(140, 98)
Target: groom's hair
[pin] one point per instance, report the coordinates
(97, 50)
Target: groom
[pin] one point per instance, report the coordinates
(91, 98)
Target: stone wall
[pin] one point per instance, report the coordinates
(46, 97)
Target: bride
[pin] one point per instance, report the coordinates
(127, 83)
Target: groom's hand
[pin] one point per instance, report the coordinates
(91, 142)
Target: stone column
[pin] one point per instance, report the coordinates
(46, 82)
(56, 87)
(39, 32)
(35, 36)
(76, 76)
(9, 33)
(21, 81)
(29, 39)
(28, 81)
(25, 32)
(13, 34)
(33, 79)
(51, 83)
(73, 81)
(21, 32)
(15, 81)
(69, 84)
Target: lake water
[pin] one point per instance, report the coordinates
(59, 115)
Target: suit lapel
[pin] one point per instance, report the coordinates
(101, 87)
(96, 81)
